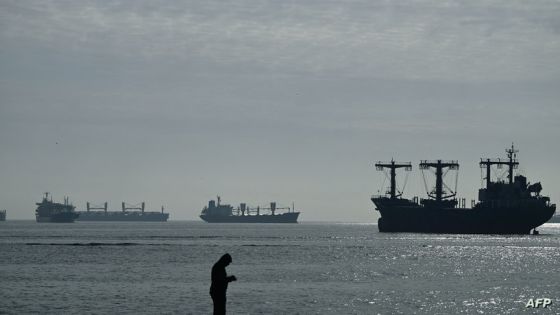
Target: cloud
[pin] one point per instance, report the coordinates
(475, 40)
(209, 94)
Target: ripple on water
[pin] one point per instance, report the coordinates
(315, 268)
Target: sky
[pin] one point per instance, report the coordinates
(175, 102)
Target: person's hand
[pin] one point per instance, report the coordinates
(233, 278)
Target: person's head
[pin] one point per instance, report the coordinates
(225, 259)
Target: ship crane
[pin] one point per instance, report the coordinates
(511, 163)
(96, 207)
(393, 166)
(273, 207)
(439, 165)
(139, 207)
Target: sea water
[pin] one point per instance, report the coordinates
(306, 268)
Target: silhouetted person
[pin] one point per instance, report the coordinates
(219, 285)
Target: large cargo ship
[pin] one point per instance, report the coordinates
(134, 213)
(49, 211)
(224, 213)
(510, 206)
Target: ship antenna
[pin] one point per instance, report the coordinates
(512, 153)
(511, 163)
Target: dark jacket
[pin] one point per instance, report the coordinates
(220, 279)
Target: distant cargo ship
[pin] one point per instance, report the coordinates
(133, 213)
(219, 213)
(49, 211)
(505, 207)
(2, 215)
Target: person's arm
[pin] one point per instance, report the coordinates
(231, 278)
(219, 278)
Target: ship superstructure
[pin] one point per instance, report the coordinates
(216, 212)
(2, 215)
(513, 206)
(49, 211)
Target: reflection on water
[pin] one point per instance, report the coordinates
(147, 268)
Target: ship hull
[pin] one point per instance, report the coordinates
(57, 218)
(290, 217)
(406, 216)
(120, 217)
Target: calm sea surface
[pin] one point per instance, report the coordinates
(152, 268)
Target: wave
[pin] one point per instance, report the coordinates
(88, 244)
(268, 245)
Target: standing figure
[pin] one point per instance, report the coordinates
(219, 285)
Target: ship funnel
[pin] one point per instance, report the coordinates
(143, 206)
(87, 206)
(105, 207)
(243, 207)
(272, 207)
(123, 208)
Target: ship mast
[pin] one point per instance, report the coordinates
(392, 166)
(439, 165)
(511, 163)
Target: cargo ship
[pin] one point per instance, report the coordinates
(216, 212)
(134, 213)
(49, 211)
(505, 206)
(2, 215)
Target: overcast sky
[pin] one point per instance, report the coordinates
(174, 102)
